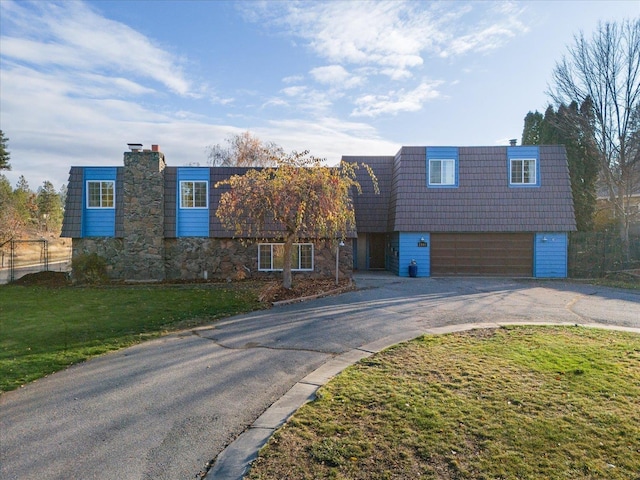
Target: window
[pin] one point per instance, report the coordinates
(271, 256)
(523, 171)
(101, 194)
(193, 194)
(442, 172)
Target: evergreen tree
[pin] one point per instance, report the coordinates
(531, 131)
(24, 201)
(572, 127)
(4, 153)
(10, 221)
(49, 207)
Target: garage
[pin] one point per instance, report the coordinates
(491, 254)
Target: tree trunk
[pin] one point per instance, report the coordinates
(623, 226)
(286, 263)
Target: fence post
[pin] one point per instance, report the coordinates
(12, 269)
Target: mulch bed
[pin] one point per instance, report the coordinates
(302, 287)
(45, 279)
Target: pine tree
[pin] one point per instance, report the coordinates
(4, 153)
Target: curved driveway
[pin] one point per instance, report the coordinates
(164, 409)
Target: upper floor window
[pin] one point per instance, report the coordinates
(271, 256)
(442, 167)
(193, 194)
(101, 194)
(522, 171)
(442, 172)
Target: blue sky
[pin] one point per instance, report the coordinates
(80, 80)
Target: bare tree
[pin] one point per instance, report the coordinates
(244, 150)
(606, 70)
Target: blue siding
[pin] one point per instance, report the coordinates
(442, 153)
(192, 222)
(550, 255)
(523, 152)
(98, 222)
(409, 250)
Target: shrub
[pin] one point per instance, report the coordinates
(89, 268)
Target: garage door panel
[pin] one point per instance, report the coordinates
(508, 254)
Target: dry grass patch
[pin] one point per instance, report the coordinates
(512, 403)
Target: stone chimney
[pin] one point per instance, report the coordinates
(143, 216)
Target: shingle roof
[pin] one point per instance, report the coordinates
(371, 209)
(72, 221)
(217, 175)
(483, 200)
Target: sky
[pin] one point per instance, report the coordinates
(79, 80)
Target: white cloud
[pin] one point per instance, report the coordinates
(293, 79)
(328, 137)
(71, 36)
(397, 101)
(394, 36)
(335, 75)
(294, 91)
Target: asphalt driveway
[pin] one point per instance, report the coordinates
(166, 408)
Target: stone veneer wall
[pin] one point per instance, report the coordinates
(143, 216)
(229, 259)
(111, 249)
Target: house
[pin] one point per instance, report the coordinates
(453, 210)
(467, 211)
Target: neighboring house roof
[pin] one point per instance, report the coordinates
(481, 202)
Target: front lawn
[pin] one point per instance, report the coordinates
(43, 330)
(509, 403)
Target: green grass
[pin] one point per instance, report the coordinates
(512, 403)
(43, 330)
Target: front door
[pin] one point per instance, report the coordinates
(377, 251)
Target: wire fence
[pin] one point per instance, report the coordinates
(596, 254)
(21, 257)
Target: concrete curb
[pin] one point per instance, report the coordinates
(234, 461)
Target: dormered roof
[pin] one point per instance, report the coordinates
(483, 201)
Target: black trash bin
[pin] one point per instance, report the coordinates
(413, 269)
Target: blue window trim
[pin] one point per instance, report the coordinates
(443, 153)
(523, 153)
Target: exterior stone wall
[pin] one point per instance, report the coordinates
(223, 259)
(143, 221)
(230, 259)
(111, 249)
